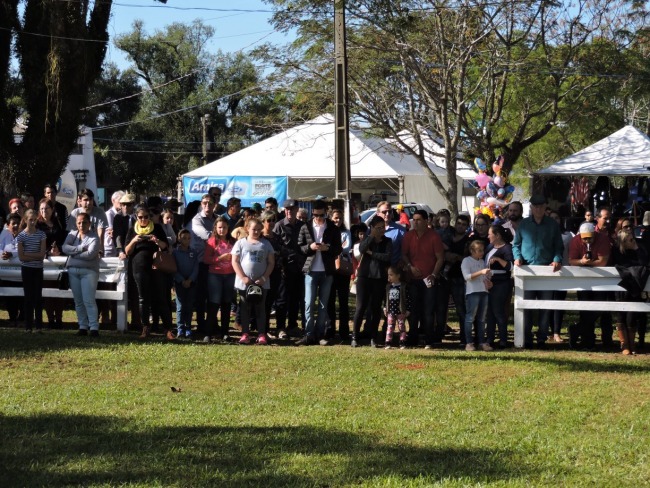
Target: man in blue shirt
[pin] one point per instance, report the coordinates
(538, 242)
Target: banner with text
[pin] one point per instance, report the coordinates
(250, 189)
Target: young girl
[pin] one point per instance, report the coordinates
(187, 272)
(221, 278)
(31, 252)
(477, 278)
(398, 306)
(253, 259)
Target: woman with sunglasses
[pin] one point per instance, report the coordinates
(143, 240)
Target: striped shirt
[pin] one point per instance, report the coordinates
(31, 243)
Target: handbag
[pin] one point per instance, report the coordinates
(164, 262)
(343, 266)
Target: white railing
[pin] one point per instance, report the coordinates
(111, 270)
(569, 278)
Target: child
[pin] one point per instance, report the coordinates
(187, 271)
(31, 252)
(398, 305)
(477, 277)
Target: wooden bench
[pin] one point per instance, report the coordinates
(111, 270)
(569, 278)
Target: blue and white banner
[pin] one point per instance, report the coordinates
(250, 189)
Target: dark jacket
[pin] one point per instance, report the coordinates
(505, 253)
(375, 266)
(331, 236)
(292, 258)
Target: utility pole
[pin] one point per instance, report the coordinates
(341, 116)
(205, 124)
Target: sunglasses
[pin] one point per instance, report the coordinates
(143, 217)
(384, 212)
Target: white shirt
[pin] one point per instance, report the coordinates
(317, 263)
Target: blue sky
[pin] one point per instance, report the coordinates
(238, 24)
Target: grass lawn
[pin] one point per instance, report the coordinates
(81, 412)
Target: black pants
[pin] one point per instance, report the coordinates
(152, 286)
(291, 294)
(587, 325)
(340, 289)
(370, 294)
(33, 290)
(201, 298)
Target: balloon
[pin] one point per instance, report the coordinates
(496, 169)
(491, 189)
(508, 198)
(499, 181)
(501, 193)
(480, 165)
(481, 195)
(491, 201)
(509, 189)
(483, 179)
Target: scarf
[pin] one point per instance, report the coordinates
(141, 231)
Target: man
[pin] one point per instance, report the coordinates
(589, 217)
(122, 222)
(110, 249)
(271, 204)
(456, 243)
(591, 249)
(423, 255)
(320, 241)
(215, 193)
(60, 210)
(98, 220)
(232, 214)
(538, 242)
(201, 230)
(292, 282)
(604, 227)
(394, 231)
(28, 200)
(513, 215)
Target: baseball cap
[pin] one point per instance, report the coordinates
(587, 229)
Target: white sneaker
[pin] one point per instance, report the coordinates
(206, 340)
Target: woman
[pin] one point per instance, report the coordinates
(9, 249)
(55, 235)
(143, 240)
(480, 230)
(221, 278)
(16, 206)
(341, 283)
(82, 246)
(269, 218)
(31, 252)
(167, 221)
(372, 275)
(558, 315)
(499, 259)
(627, 253)
(253, 259)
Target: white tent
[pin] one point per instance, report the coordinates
(623, 153)
(305, 156)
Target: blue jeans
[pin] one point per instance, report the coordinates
(221, 288)
(475, 308)
(317, 283)
(497, 315)
(83, 283)
(458, 293)
(543, 320)
(184, 305)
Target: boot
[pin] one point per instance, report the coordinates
(623, 337)
(631, 334)
(145, 332)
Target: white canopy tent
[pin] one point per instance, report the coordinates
(623, 153)
(305, 155)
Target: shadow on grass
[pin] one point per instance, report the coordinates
(580, 362)
(80, 450)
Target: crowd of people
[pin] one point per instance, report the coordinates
(235, 269)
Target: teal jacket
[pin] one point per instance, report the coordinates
(538, 244)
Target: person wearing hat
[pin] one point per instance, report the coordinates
(592, 249)
(403, 217)
(292, 283)
(538, 242)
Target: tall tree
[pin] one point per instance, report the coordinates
(60, 47)
(477, 76)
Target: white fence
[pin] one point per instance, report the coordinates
(569, 278)
(111, 270)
